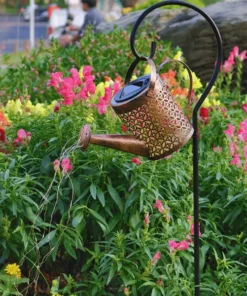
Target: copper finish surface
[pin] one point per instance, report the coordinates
(124, 143)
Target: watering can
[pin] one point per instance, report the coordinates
(146, 107)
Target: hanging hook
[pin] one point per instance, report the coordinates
(195, 111)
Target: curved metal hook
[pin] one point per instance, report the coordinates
(195, 111)
(153, 44)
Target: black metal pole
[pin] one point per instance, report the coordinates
(194, 117)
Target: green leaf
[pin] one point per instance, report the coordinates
(101, 196)
(77, 219)
(47, 238)
(111, 273)
(115, 196)
(155, 292)
(98, 217)
(69, 248)
(93, 190)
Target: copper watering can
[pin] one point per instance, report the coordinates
(148, 110)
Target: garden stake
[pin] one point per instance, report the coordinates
(159, 127)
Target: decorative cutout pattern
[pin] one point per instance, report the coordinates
(159, 123)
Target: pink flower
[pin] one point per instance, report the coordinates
(232, 148)
(158, 205)
(56, 80)
(90, 87)
(189, 239)
(126, 291)
(245, 167)
(227, 67)
(146, 219)
(192, 230)
(155, 258)
(230, 130)
(245, 151)
(136, 160)
(235, 51)
(66, 165)
(22, 134)
(116, 88)
(217, 149)
(87, 71)
(244, 106)
(102, 106)
(243, 55)
(75, 77)
(236, 161)
(56, 165)
(172, 245)
(183, 245)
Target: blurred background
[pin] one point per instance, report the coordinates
(51, 17)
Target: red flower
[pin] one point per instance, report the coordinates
(136, 160)
(124, 128)
(2, 135)
(204, 114)
(244, 106)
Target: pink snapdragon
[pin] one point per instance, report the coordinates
(192, 229)
(235, 52)
(56, 80)
(104, 102)
(232, 148)
(236, 161)
(230, 130)
(136, 160)
(242, 132)
(146, 219)
(74, 87)
(245, 152)
(158, 205)
(180, 246)
(56, 165)
(66, 165)
(155, 258)
(244, 107)
(217, 149)
(23, 137)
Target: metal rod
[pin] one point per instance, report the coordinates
(195, 115)
(31, 24)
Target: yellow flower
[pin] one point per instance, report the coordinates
(134, 77)
(215, 102)
(206, 103)
(178, 55)
(52, 106)
(196, 81)
(81, 73)
(14, 107)
(13, 269)
(90, 118)
(100, 89)
(126, 10)
(39, 109)
(147, 70)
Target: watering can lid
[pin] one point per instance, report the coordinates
(133, 89)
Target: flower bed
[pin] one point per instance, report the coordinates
(103, 222)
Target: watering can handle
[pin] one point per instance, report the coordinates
(152, 73)
(189, 96)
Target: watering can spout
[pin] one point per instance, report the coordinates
(125, 143)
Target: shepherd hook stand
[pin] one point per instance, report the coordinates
(195, 112)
